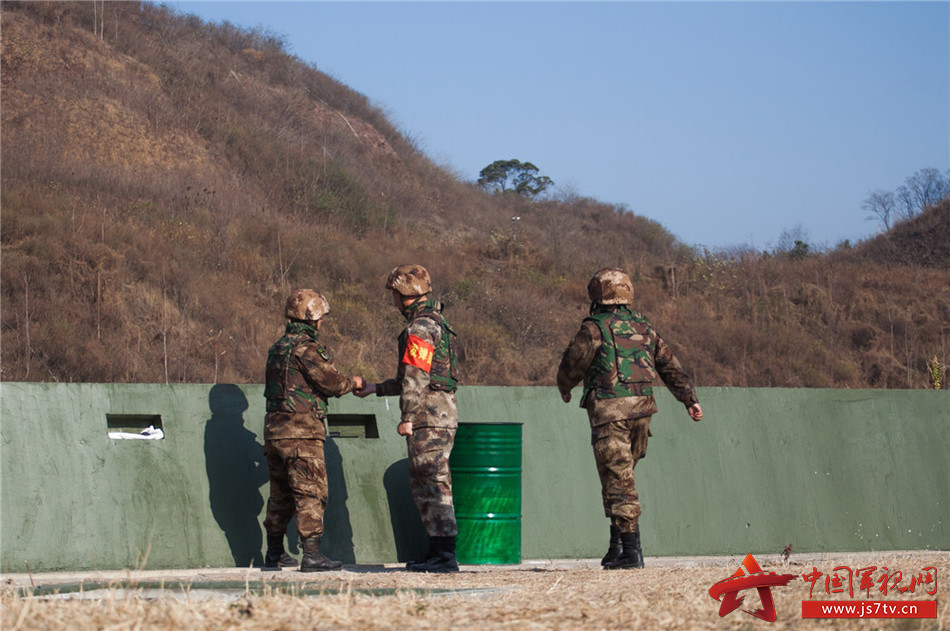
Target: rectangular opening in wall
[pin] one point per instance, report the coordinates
(141, 426)
(352, 426)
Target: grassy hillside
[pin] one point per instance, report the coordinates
(166, 183)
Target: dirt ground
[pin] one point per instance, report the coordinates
(670, 593)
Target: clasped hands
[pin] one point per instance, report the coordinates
(363, 389)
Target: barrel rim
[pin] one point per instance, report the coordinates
(475, 423)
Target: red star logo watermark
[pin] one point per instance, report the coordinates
(749, 576)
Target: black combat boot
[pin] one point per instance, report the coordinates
(615, 548)
(276, 558)
(630, 556)
(431, 553)
(314, 560)
(442, 559)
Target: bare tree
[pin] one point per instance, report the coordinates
(921, 190)
(793, 239)
(99, 18)
(165, 325)
(881, 205)
(284, 270)
(26, 322)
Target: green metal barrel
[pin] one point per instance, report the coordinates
(486, 488)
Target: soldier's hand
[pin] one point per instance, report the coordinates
(404, 428)
(695, 412)
(566, 397)
(358, 383)
(366, 390)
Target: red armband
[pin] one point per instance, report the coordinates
(418, 353)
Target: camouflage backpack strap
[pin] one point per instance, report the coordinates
(444, 372)
(301, 391)
(600, 375)
(278, 364)
(635, 348)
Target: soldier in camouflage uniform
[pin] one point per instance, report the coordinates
(618, 355)
(300, 377)
(426, 380)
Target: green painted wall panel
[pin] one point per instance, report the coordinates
(821, 469)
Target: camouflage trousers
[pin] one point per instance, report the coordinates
(298, 485)
(430, 479)
(618, 446)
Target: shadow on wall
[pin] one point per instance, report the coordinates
(236, 470)
(408, 530)
(337, 540)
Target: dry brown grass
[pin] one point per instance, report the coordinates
(668, 594)
(166, 182)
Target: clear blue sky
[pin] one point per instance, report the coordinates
(727, 122)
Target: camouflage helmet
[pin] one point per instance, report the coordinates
(306, 304)
(610, 286)
(409, 280)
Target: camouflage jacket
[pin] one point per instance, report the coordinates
(618, 371)
(300, 377)
(426, 377)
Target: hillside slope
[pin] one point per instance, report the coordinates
(166, 183)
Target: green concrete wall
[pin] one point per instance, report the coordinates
(821, 469)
